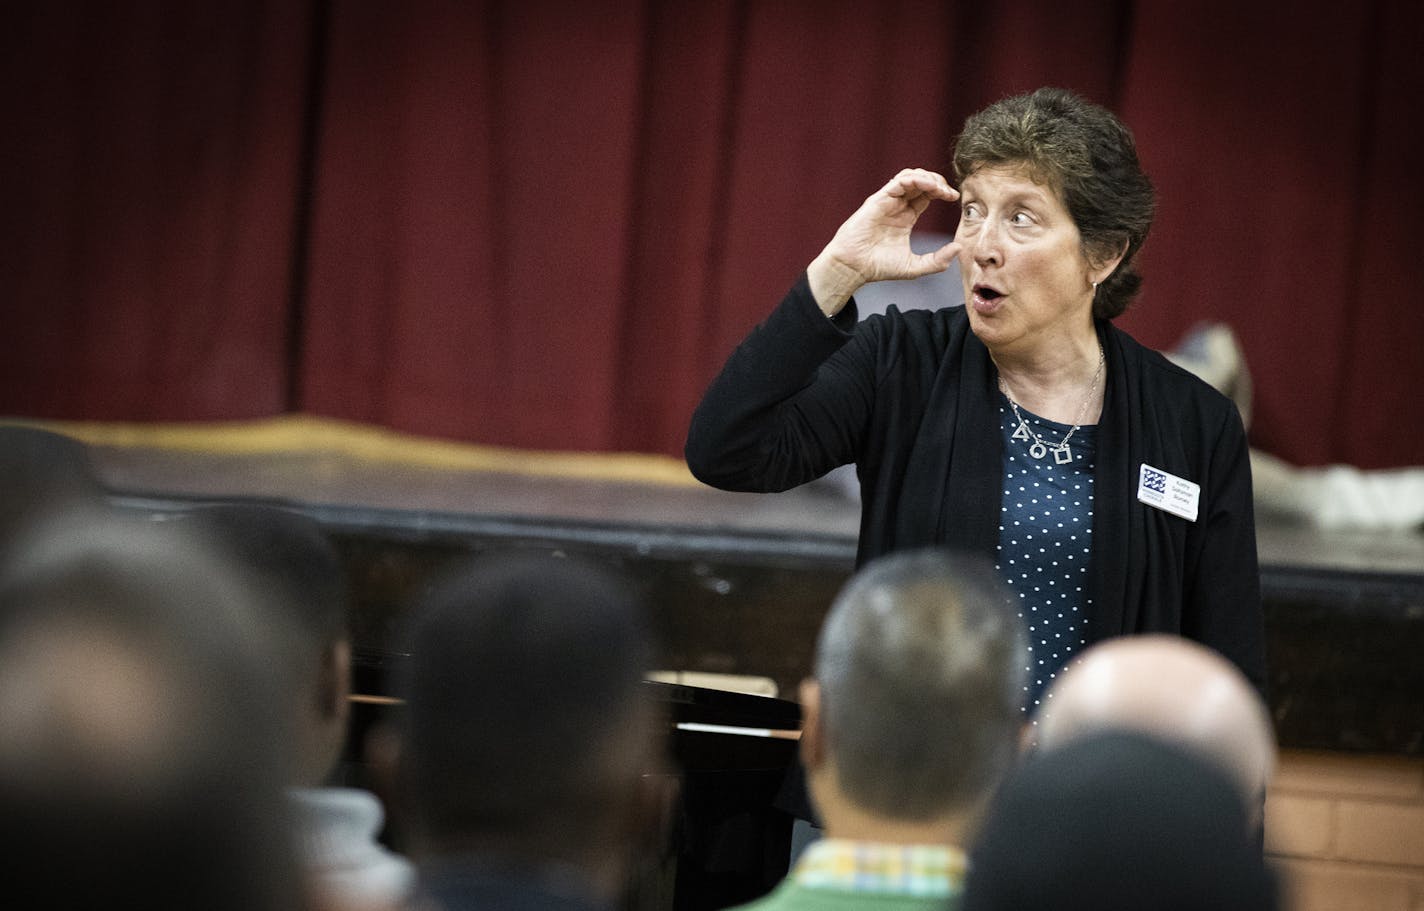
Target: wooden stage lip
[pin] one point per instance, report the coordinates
(452, 496)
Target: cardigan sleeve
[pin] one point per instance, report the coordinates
(790, 404)
(1222, 604)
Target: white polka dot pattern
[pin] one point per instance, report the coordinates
(1045, 542)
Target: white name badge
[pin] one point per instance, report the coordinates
(1168, 492)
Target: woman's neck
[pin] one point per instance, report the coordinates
(1055, 381)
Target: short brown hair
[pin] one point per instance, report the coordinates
(1089, 158)
(921, 667)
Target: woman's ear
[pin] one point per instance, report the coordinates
(1103, 261)
(813, 740)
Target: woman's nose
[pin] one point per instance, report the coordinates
(986, 245)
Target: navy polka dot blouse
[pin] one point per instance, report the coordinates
(1045, 538)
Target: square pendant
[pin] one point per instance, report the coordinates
(1062, 455)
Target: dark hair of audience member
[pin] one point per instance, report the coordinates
(300, 580)
(525, 726)
(42, 473)
(290, 556)
(142, 761)
(1118, 822)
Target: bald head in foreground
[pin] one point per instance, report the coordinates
(1170, 688)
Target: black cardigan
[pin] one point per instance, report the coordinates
(911, 399)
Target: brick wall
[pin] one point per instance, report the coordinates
(1347, 831)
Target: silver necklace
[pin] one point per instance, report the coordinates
(1040, 448)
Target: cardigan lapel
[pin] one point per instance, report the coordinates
(1118, 536)
(951, 492)
(975, 473)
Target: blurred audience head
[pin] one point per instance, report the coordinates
(299, 578)
(42, 474)
(141, 758)
(525, 730)
(1118, 821)
(914, 708)
(1171, 688)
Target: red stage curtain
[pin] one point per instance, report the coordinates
(545, 223)
(150, 189)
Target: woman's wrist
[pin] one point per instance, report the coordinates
(832, 283)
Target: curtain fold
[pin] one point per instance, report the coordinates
(544, 224)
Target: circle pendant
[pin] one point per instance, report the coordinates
(1038, 450)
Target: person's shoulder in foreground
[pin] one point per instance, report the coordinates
(1118, 821)
(847, 874)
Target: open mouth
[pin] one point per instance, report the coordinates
(985, 293)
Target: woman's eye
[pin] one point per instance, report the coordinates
(1020, 220)
(971, 211)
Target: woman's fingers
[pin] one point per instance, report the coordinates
(913, 189)
(934, 261)
(874, 243)
(946, 255)
(917, 181)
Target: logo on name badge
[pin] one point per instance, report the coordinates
(1167, 492)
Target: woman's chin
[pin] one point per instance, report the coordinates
(988, 326)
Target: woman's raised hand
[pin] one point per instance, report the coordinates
(874, 243)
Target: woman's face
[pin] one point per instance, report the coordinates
(1027, 284)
